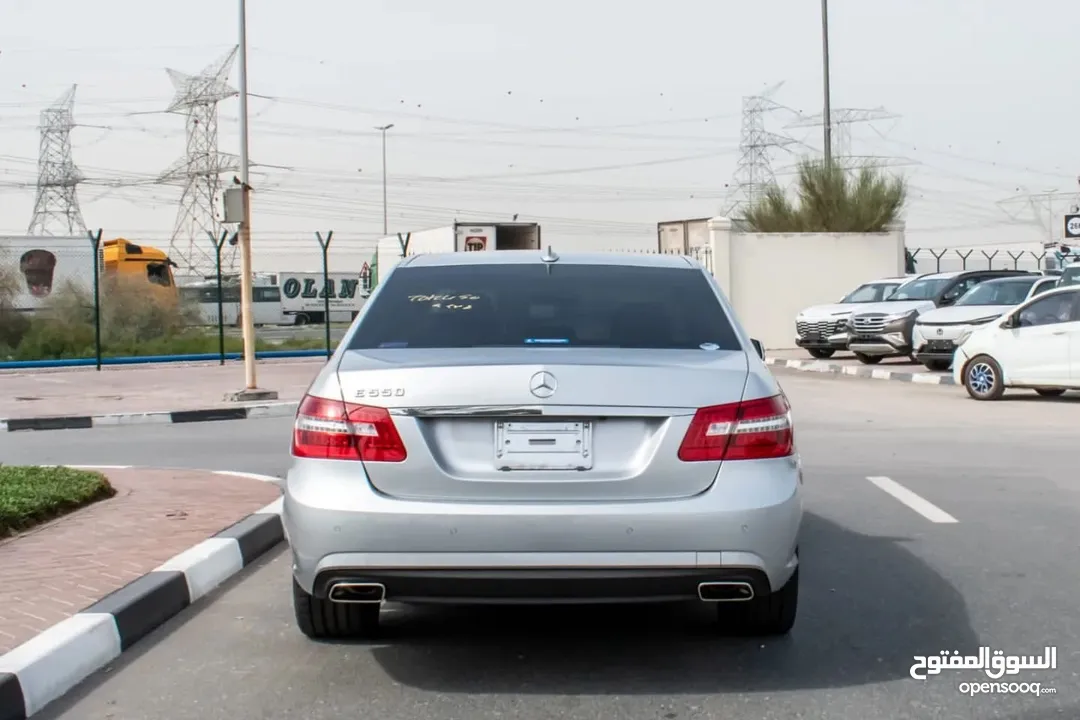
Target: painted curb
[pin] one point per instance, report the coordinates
(875, 373)
(166, 417)
(49, 665)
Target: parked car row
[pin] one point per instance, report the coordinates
(1023, 327)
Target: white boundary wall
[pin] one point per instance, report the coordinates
(770, 277)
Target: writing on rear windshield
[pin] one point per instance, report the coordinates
(446, 302)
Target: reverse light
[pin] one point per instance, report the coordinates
(335, 430)
(748, 430)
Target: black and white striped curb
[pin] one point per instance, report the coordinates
(49, 665)
(876, 373)
(83, 422)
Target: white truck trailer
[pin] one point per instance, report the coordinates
(682, 236)
(458, 237)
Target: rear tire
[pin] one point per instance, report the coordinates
(938, 365)
(868, 359)
(1050, 392)
(982, 378)
(820, 353)
(765, 615)
(321, 619)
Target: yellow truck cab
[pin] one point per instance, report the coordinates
(127, 259)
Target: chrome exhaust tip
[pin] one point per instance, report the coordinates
(356, 592)
(725, 591)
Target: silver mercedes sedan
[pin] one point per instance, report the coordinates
(529, 427)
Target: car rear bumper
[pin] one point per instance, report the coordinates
(744, 528)
(564, 586)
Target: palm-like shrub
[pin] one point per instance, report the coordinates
(831, 198)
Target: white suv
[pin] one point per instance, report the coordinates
(934, 335)
(821, 330)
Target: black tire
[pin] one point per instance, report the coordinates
(821, 353)
(1050, 392)
(982, 378)
(938, 365)
(868, 359)
(321, 619)
(765, 615)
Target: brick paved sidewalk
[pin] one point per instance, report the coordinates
(54, 571)
(144, 388)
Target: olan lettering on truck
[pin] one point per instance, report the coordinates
(303, 295)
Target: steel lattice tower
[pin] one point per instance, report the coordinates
(56, 207)
(197, 98)
(754, 172)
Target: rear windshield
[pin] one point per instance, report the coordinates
(1070, 276)
(513, 305)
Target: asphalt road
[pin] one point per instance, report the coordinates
(883, 581)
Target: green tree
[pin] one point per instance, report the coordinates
(831, 199)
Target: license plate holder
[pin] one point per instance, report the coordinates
(564, 445)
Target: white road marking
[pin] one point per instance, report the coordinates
(920, 505)
(252, 476)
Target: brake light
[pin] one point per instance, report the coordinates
(336, 430)
(749, 430)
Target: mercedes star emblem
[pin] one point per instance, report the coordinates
(543, 384)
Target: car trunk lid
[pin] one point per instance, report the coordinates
(558, 424)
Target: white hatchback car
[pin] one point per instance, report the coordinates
(524, 427)
(1036, 347)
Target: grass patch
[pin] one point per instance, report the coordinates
(31, 495)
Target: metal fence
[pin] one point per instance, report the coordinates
(927, 260)
(83, 301)
(63, 301)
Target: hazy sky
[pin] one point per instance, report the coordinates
(595, 118)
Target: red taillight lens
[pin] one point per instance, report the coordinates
(750, 430)
(335, 430)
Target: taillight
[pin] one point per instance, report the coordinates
(336, 430)
(749, 430)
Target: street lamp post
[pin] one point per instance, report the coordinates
(827, 109)
(251, 390)
(385, 224)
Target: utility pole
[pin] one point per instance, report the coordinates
(827, 109)
(385, 224)
(251, 390)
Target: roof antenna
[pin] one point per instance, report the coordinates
(549, 256)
